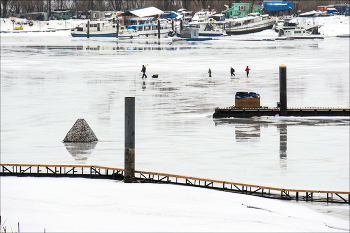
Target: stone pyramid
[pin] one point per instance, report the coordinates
(80, 132)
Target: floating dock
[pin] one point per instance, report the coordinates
(249, 107)
(302, 112)
(101, 172)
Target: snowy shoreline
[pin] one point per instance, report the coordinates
(78, 204)
(329, 26)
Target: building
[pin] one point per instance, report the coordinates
(94, 15)
(277, 6)
(343, 9)
(63, 14)
(242, 10)
(142, 14)
(39, 16)
(324, 8)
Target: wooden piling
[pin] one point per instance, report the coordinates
(88, 29)
(117, 36)
(283, 89)
(129, 155)
(158, 29)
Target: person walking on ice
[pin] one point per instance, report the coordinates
(247, 70)
(232, 72)
(143, 70)
(209, 72)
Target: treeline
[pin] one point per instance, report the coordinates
(16, 7)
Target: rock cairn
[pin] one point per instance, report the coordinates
(80, 132)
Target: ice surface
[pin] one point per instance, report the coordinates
(49, 80)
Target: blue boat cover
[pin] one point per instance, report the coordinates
(171, 15)
(277, 6)
(240, 95)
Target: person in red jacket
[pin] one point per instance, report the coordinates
(247, 70)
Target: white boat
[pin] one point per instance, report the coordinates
(282, 21)
(147, 29)
(96, 29)
(254, 22)
(206, 25)
(299, 32)
(208, 29)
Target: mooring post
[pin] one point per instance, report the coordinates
(88, 29)
(283, 90)
(129, 155)
(117, 28)
(158, 29)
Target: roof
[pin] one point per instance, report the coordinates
(278, 6)
(148, 11)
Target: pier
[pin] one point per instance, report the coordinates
(102, 172)
(250, 107)
(302, 112)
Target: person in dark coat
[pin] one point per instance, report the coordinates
(232, 72)
(247, 70)
(209, 72)
(143, 70)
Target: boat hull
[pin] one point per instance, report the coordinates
(247, 30)
(121, 35)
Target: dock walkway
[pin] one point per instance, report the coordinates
(101, 172)
(251, 112)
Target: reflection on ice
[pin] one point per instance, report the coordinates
(247, 132)
(80, 150)
(283, 144)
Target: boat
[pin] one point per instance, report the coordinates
(282, 21)
(254, 22)
(208, 29)
(206, 24)
(95, 29)
(295, 30)
(300, 32)
(138, 28)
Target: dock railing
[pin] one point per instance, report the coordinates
(102, 172)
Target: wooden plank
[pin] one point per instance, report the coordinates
(187, 178)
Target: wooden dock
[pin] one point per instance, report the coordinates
(302, 112)
(101, 172)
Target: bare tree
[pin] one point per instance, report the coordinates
(3, 10)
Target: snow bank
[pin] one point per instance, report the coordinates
(85, 205)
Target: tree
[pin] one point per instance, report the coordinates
(3, 10)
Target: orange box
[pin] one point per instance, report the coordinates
(248, 102)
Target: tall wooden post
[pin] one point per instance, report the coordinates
(283, 90)
(88, 29)
(117, 28)
(129, 152)
(158, 29)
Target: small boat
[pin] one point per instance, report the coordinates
(206, 24)
(95, 29)
(293, 30)
(254, 22)
(208, 29)
(282, 21)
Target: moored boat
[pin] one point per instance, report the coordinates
(252, 23)
(140, 28)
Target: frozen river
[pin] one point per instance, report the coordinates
(48, 82)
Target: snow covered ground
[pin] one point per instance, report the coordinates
(86, 205)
